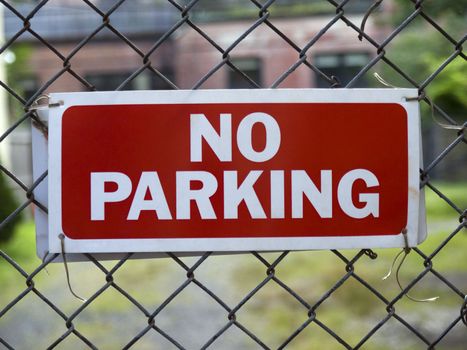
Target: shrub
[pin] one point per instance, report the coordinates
(8, 205)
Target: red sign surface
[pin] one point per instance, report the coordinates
(155, 139)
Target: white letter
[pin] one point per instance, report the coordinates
(98, 195)
(221, 143)
(149, 180)
(234, 195)
(185, 194)
(277, 194)
(321, 200)
(344, 194)
(244, 134)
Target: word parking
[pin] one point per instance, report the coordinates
(234, 191)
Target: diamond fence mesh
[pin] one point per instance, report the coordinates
(298, 300)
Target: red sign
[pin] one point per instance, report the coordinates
(162, 171)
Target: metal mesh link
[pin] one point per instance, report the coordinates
(353, 265)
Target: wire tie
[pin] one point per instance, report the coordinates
(406, 250)
(62, 245)
(382, 81)
(36, 105)
(36, 122)
(40, 106)
(392, 266)
(418, 98)
(441, 124)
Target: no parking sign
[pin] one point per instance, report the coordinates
(226, 170)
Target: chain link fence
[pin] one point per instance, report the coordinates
(296, 300)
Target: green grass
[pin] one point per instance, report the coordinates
(272, 314)
(23, 244)
(22, 249)
(437, 208)
(351, 308)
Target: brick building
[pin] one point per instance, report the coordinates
(106, 60)
(264, 56)
(103, 51)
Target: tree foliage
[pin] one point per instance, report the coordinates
(420, 49)
(434, 8)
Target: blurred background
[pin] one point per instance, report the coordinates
(80, 45)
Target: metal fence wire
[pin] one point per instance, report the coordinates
(297, 300)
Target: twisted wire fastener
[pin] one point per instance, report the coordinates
(406, 250)
(61, 236)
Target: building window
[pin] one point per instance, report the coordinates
(344, 66)
(108, 81)
(250, 67)
(146, 80)
(158, 83)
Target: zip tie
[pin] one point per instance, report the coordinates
(406, 250)
(62, 245)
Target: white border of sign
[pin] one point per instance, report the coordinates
(416, 227)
